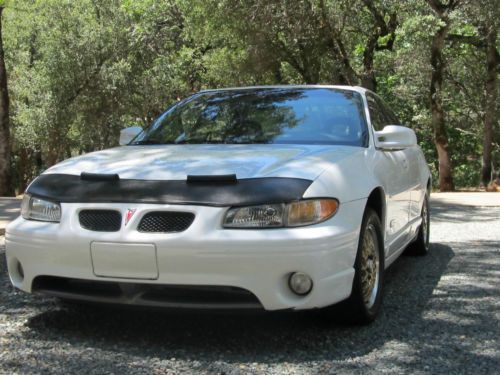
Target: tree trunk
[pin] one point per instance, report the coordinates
(5, 183)
(491, 104)
(368, 79)
(52, 156)
(23, 168)
(438, 117)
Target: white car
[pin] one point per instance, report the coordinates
(274, 197)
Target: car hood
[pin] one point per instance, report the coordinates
(175, 162)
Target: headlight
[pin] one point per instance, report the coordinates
(33, 208)
(266, 215)
(295, 214)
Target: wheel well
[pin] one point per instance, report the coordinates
(376, 201)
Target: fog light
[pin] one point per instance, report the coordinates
(300, 283)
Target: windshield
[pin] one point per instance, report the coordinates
(262, 115)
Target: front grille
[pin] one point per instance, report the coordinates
(165, 222)
(101, 220)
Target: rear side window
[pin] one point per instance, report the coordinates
(376, 115)
(390, 117)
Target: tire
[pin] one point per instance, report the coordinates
(421, 244)
(363, 305)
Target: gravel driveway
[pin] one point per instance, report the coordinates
(441, 315)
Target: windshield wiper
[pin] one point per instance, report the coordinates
(147, 142)
(197, 142)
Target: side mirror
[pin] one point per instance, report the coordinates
(127, 134)
(394, 137)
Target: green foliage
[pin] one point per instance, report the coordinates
(79, 71)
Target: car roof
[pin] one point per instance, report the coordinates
(359, 89)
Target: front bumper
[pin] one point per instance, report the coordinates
(258, 261)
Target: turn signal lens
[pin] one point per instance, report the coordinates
(311, 211)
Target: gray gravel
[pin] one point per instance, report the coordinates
(441, 315)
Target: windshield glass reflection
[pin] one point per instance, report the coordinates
(262, 115)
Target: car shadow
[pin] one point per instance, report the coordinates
(268, 337)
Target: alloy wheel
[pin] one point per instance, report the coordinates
(370, 267)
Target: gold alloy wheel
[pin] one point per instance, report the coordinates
(370, 266)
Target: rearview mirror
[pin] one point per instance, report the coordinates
(394, 137)
(127, 134)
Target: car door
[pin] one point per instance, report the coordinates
(413, 156)
(392, 168)
(417, 184)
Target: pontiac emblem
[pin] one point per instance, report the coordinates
(129, 214)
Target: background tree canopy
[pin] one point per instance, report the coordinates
(79, 71)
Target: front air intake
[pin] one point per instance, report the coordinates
(165, 222)
(100, 220)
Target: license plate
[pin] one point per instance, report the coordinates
(124, 260)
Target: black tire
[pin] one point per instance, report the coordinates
(363, 307)
(421, 244)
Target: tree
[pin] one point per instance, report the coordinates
(308, 41)
(5, 184)
(81, 71)
(435, 93)
(482, 17)
(492, 62)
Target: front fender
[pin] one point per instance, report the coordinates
(350, 179)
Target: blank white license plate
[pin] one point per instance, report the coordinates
(124, 260)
